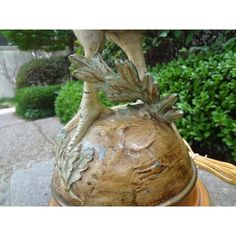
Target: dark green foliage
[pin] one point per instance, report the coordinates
(112, 52)
(206, 84)
(68, 101)
(45, 71)
(36, 102)
(104, 100)
(47, 40)
(162, 46)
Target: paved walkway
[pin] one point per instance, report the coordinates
(26, 163)
(22, 145)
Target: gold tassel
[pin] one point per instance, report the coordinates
(223, 170)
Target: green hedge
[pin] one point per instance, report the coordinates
(36, 102)
(69, 98)
(206, 86)
(45, 71)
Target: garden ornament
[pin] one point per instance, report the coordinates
(131, 154)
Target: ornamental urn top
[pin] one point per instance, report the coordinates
(126, 155)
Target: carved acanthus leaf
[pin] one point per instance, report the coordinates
(72, 167)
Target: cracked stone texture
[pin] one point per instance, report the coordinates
(50, 127)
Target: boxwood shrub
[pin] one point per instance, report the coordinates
(45, 71)
(69, 98)
(36, 102)
(206, 84)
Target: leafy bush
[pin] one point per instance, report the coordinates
(69, 98)
(45, 71)
(162, 46)
(46, 40)
(206, 86)
(36, 102)
(112, 52)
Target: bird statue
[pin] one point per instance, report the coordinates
(93, 41)
(76, 154)
(130, 154)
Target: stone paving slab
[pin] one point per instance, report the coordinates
(222, 193)
(21, 146)
(4, 194)
(24, 143)
(31, 187)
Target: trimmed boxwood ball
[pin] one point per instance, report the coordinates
(206, 84)
(44, 71)
(36, 102)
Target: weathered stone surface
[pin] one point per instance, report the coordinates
(31, 187)
(4, 194)
(222, 193)
(127, 161)
(21, 146)
(24, 143)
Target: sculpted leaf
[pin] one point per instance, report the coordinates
(72, 167)
(126, 85)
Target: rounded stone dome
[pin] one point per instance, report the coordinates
(133, 160)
